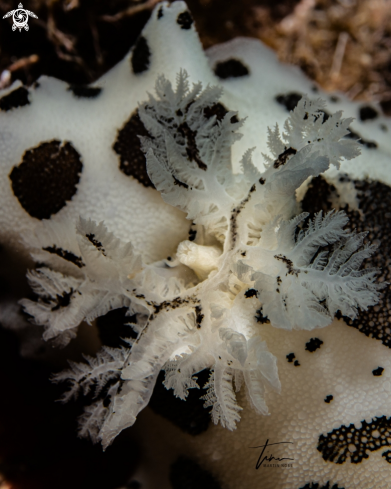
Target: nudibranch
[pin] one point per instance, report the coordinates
(179, 187)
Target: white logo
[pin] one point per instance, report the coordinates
(20, 17)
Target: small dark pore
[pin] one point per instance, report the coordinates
(160, 13)
(378, 371)
(283, 157)
(243, 253)
(290, 357)
(329, 398)
(66, 255)
(262, 181)
(296, 363)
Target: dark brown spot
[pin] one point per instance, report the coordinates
(128, 147)
(140, 56)
(46, 178)
(185, 20)
(368, 113)
(231, 68)
(17, 98)
(84, 91)
(289, 100)
(290, 357)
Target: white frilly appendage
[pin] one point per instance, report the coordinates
(251, 251)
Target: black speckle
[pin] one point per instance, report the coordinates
(17, 98)
(368, 113)
(128, 147)
(84, 91)
(231, 68)
(378, 371)
(185, 20)
(334, 446)
(199, 316)
(46, 178)
(98, 245)
(289, 100)
(290, 357)
(250, 293)
(190, 415)
(169, 258)
(313, 344)
(262, 181)
(296, 363)
(187, 474)
(140, 56)
(66, 255)
(329, 398)
(316, 485)
(387, 456)
(260, 318)
(243, 253)
(160, 13)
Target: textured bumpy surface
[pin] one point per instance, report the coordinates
(240, 285)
